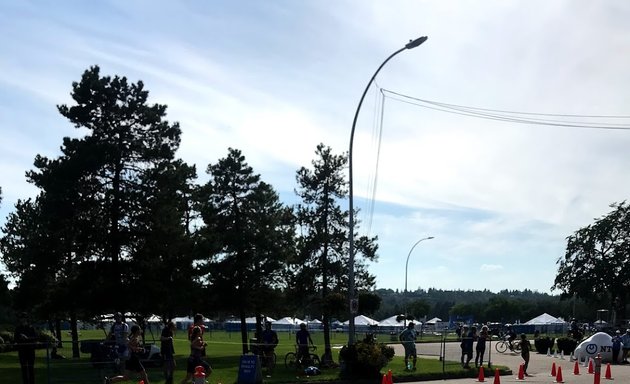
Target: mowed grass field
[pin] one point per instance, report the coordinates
(223, 353)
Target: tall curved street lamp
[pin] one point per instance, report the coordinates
(407, 262)
(353, 303)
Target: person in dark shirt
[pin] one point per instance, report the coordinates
(26, 338)
(302, 339)
(168, 351)
(525, 348)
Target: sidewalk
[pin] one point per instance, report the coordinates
(539, 367)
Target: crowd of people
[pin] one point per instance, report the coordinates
(129, 349)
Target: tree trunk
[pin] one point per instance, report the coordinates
(74, 331)
(244, 333)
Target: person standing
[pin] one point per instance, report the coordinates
(616, 346)
(198, 322)
(132, 364)
(119, 333)
(167, 350)
(197, 346)
(468, 339)
(408, 340)
(480, 349)
(302, 339)
(525, 348)
(26, 339)
(625, 348)
(269, 342)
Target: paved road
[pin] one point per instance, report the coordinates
(540, 366)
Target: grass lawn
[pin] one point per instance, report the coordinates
(223, 353)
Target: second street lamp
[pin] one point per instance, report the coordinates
(409, 254)
(407, 267)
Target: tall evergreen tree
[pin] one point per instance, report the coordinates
(322, 263)
(249, 232)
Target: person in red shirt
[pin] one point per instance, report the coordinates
(197, 322)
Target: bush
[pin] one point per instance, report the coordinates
(364, 360)
(543, 344)
(566, 345)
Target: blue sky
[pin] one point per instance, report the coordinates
(275, 78)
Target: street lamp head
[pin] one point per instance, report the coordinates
(430, 237)
(414, 43)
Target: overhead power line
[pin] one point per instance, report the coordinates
(512, 116)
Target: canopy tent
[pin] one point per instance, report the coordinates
(286, 323)
(545, 318)
(362, 320)
(543, 323)
(434, 321)
(391, 322)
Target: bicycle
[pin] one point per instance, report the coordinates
(290, 359)
(503, 345)
(267, 356)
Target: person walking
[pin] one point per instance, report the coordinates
(132, 364)
(480, 349)
(408, 340)
(197, 348)
(167, 350)
(26, 338)
(525, 348)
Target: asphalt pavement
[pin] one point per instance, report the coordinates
(539, 370)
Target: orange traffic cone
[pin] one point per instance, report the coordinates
(559, 376)
(608, 374)
(521, 372)
(553, 370)
(481, 377)
(590, 366)
(576, 368)
(497, 376)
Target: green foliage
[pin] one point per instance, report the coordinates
(566, 345)
(543, 344)
(596, 257)
(364, 359)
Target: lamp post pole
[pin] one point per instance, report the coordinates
(409, 254)
(351, 294)
(407, 267)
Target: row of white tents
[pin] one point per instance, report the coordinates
(361, 322)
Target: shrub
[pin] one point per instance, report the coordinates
(364, 360)
(566, 345)
(543, 344)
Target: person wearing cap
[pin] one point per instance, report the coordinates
(616, 346)
(625, 348)
(408, 340)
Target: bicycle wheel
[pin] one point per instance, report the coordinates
(289, 360)
(517, 347)
(501, 346)
(315, 360)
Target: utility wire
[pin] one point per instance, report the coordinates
(509, 116)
